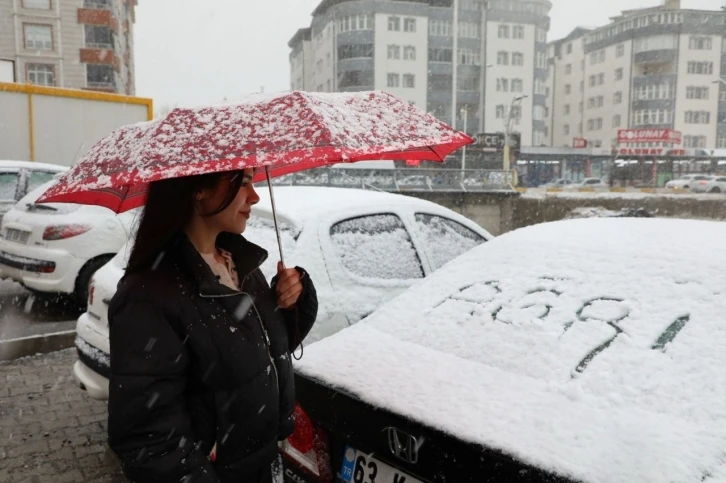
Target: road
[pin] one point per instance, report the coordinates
(50, 431)
(23, 314)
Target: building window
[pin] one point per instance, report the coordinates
(103, 76)
(440, 28)
(38, 37)
(698, 117)
(394, 24)
(99, 37)
(394, 52)
(655, 42)
(619, 74)
(541, 35)
(38, 4)
(356, 22)
(600, 79)
(518, 59)
(566, 129)
(700, 43)
(581, 107)
(503, 31)
(569, 48)
(355, 51)
(409, 52)
(591, 124)
(468, 57)
(703, 68)
(468, 30)
(568, 69)
(721, 142)
(41, 74)
(697, 92)
(618, 97)
(440, 55)
(518, 32)
(502, 58)
(355, 78)
(409, 81)
(502, 85)
(694, 141)
(540, 59)
(616, 120)
(593, 80)
(568, 89)
(620, 50)
(409, 25)
(97, 4)
(501, 111)
(567, 109)
(593, 58)
(394, 80)
(517, 85)
(467, 83)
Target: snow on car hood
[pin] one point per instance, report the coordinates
(593, 348)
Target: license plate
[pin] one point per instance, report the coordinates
(17, 236)
(359, 467)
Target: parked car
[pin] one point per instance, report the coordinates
(558, 183)
(55, 248)
(716, 185)
(361, 248)
(18, 178)
(702, 184)
(685, 181)
(582, 350)
(594, 183)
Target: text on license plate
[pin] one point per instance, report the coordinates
(359, 467)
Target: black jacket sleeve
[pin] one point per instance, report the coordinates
(301, 317)
(149, 426)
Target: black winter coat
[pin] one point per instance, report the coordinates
(194, 363)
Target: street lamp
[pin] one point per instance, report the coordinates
(508, 129)
(720, 80)
(465, 114)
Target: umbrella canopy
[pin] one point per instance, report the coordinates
(281, 133)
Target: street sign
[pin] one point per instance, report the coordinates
(491, 141)
(579, 143)
(649, 136)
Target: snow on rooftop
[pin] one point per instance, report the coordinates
(593, 348)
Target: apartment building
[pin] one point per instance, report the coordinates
(77, 44)
(654, 68)
(407, 49)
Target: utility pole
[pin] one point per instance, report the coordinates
(508, 130)
(454, 59)
(465, 113)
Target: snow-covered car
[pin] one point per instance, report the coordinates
(582, 350)
(558, 183)
(361, 248)
(716, 185)
(595, 183)
(18, 178)
(685, 181)
(55, 248)
(702, 184)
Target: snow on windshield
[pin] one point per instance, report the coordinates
(598, 355)
(446, 239)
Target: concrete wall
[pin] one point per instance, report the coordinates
(499, 213)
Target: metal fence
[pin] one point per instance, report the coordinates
(402, 179)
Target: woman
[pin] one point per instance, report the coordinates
(200, 343)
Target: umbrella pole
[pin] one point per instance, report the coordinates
(274, 215)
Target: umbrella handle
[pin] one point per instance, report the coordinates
(274, 215)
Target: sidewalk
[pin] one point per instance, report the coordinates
(50, 431)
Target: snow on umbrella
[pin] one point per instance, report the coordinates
(280, 133)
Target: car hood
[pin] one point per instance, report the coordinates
(591, 348)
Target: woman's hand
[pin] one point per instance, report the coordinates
(289, 287)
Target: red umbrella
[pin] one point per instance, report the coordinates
(281, 133)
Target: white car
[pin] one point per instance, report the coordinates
(577, 351)
(595, 183)
(686, 181)
(717, 185)
(18, 178)
(55, 248)
(361, 248)
(702, 184)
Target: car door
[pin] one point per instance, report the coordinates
(370, 259)
(444, 239)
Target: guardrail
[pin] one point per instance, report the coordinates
(433, 179)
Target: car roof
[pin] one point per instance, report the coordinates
(299, 205)
(592, 348)
(11, 164)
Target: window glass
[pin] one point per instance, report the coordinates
(37, 178)
(8, 186)
(446, 239)
(376, 247)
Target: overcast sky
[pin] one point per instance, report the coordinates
(191, 52)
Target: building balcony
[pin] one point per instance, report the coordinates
(660, 56)
(97, 4)
(90, 16)
(99, 56)
(645, 80)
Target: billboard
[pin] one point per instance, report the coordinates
(7, 70)
(579, 143)
(495, 141)
(649, 136)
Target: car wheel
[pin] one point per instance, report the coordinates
(715, 190)
(84, 278)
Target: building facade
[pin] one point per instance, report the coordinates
(655, 68)
(77, 44)
(407, 48)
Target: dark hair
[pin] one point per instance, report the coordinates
(169, 206)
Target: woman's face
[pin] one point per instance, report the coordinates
(234, 218)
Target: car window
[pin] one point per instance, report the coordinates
(37, 178)
(8, 186)
(701, 178)
(721, 180)
(376, 247)
(446, 239)
(592, 181)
